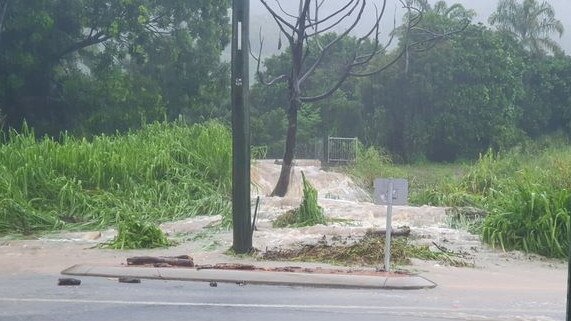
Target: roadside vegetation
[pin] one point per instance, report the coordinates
(452, 116)
(307, 214)
(133, 233)
(525, 194)
(159, 173)
(368, 251)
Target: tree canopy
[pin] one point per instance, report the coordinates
(68, 63)
(531, 22)
(448, 100)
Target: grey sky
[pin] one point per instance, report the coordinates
(482, 7)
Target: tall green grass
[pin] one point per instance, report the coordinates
(527, 196)
(163, 172)
(526, 192)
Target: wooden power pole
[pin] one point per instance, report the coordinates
(241, 215)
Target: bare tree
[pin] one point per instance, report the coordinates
(304, 27)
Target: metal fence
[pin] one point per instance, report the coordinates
(341, 150)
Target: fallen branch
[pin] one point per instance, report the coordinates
(181, 260)
(226, 266)
(401, 231)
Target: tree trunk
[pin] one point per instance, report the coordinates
(285, 174)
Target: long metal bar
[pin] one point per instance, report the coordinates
(241, 213)
(389, 227)
(568, 318)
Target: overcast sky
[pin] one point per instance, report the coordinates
(482, 7)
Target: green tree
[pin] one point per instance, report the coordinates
(47, 44)
(530, 22)
(455, 101)
(546, 106)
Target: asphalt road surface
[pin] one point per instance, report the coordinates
(37, 297)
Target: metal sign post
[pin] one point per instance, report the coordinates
(568, 318)
(241, 215)
(390, 192)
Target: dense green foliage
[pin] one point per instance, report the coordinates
(527, 194)
(97, 66)
(473, 76)
(458, 97)
(162, 172)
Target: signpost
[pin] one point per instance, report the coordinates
(241, 215)
(568, 318)
(390, 192)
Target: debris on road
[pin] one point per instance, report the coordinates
(129, 280)
(226, 266)
(400, 231)
(162, 261)
(68, 282)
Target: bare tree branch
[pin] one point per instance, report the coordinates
(258, 59)
(279, 20)
(308, 26)
(412, 45)
(285, 12)
(317, 22)
(326, 49)
(331, 91)
(302, 19)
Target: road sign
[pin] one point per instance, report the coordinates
(390, 192)
(400, 191)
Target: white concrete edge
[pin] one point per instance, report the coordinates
(255, 277)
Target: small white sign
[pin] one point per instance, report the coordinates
(399, 193)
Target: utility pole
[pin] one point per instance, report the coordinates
(568, 318)
(241, 215)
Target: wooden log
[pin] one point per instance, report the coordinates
(402, 231)
(181, 260)
(226, 266)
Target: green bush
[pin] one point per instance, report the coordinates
(527, 197)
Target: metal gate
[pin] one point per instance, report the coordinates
(341, 150)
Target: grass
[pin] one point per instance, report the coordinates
(166, 171)
(525, 192)
(470, 219)
(309, 212)
(423, 178)
(132, 233)
(369, 251)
